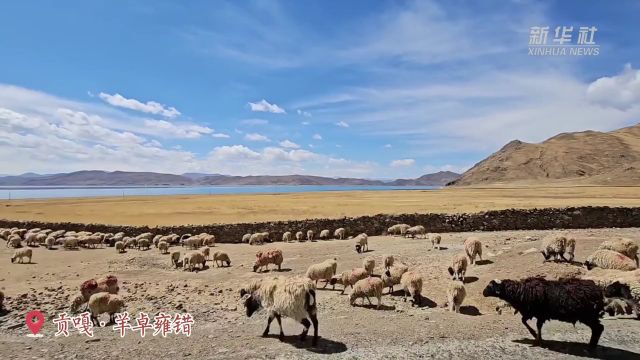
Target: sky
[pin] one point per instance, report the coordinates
(373, 89)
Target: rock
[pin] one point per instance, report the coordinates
(529, 251)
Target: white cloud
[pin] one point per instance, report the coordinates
(187, 131)
(387, 146)
(150, 107)
(303, 113)
(254, 122)
(620, 91)
(403, 162)
(317, 137)
(220, 135)
(264, 106)
(289, 144)
(235, 152)
(256, 137)
(342, 124)
(305, 123)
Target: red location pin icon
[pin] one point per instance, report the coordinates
(35, 321)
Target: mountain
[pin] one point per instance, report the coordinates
(124, 178)
(582, 158)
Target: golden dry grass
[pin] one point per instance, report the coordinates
(203, 209)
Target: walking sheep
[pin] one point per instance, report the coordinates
(22, 253)
(104, 302)
(566, 300)
(435, 240)
(270, 256)
(322, 271)
(609, 259)
(287, 237)
(411, 282)
(348, 278)
(455, 295)
(554, 247)
(324, 234)
(393, 275)
(473, 248)
(222, 257)
(362, 243)
(398, 229)
(365, 288)
(369, 263)
(625, 247)
(458, 267)
(339, 233)
(293, 297)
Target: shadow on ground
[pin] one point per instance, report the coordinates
(582, 350)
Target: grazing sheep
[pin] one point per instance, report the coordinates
(14, 241)
(324, 234)
(193, 242)
(22, 253)
(156, 240)
(618, 306)
(131, 242)
(70, 243)
(270, 256)
(144, 244)
(107, 284)
(208, 239)
(627, 288)
(609, 259)
(57, 234)
(287, 236)
(566, 300)
(571, 248)
(30, 239)
(398, 229)
(458, 266)
(553, 247)
(104, 302)
(256, 239)
(191, 259)
(245, 238)
(435, 240)
(310, 234)
(411, 282)
(206, 252)
(365, 288)
(147, 235)
(50, 242)
(300, 236)
(293, 297)
(322, 271)
(393, 275)
(163, 246)
(175, 258)
(369, 263)
(387, 260)
(473, 248)
(348, 278)
(455, 295)
(222, 257)
(362, 243)
(339, 233)
(120, 246)
(625, 247)
(40, 238)
(415, 231)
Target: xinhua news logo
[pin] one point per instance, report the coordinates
(561, 42)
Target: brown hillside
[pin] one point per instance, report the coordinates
(589, 157)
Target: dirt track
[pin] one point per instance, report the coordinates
(221, 330)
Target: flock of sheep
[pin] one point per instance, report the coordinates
(585, 300)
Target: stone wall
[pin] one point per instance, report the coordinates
(511, 219)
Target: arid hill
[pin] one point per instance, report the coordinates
(582, 158)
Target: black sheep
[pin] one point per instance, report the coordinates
(567, 300)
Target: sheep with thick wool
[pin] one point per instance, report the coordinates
(222, 257)
(609, 259)
(324, 234)
(206, 251)
(257, 239)
(411, 282)
(292, 297)
(473, 248)
(19, 254)
(415, 231)
(435, 240)
(144, 244)
(175, 258)
(366, 288)
(566, 300)
(120, 246)
(398, 229)
(455, 295)
(553, 247)
(387, 261)
(369, 263)
(393, 275)
(348, 278)
(163, 246)
(50, 242)
(14, 241)
(362, 243)
(310, 235)
(104, 302)
(624, 246)
(340, 233)
(323, 271)
(299, 236)
(619, 283)
(246, 237)
(192, 259)
(458, 267)
(269, 256)
(107, 284)
(287, 237)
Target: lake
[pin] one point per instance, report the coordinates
(45, 192)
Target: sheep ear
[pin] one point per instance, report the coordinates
(245, 297)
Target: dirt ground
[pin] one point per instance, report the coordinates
(203, 209)
(221, 329)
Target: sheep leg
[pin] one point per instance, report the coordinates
(369, 300)
(531, 331)
(266, 330)
(279, 318)
(326, 282)
(564, 258)
(306, 323)
(539, 323)
(314, 321)
(596, 330)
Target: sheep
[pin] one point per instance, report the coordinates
(362, 243)
(130, 242)
(293, 297)
(147, 235)
(310, 234)
(553, 247)
(104, 302)
(87, 288)
(435, 240)
(300, 236)
(30, 239)
(415, 231)
(571, 248)
(609, 259)
(387, 260)
(365, 288)
(393, 275)
(398, 229)
(57, 234)
(625, 247)
(348, 278)
(324, 234)
(618, 283)
(175, 258)
(193, 242)
(163, 246)
(618, 306)
(22, 253)
(92, 241)
(222, 257)
(40, 238)
(120, 246)
(144, 244)
(50, 242)
(287, 236)
(458, 266)
(369, 263)
(411, 282)
(245, 238)
(191, 259)
(455, 295)
(566, 300)
(70, 243)
(156, 240)
(322, 271)
(208, 239)
(339, 233)
(14, 241)
(256, 239)
(473, 247)
(270, 256)
(206, 252)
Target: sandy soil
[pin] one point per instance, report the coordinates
(202, 209)
(222, 330)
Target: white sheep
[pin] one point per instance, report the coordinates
(300, 236)
(131, 242)
(147, 235)
(104, 302)
(398, 229)
(144, 244)
(609, 259)
(415, 231)
(287, 236)
(366, 288)
(393, 275)
(193, 242)
(191, 259)
(473, 248)
(362, 243)
(206, 251)
(14, 241)
(310, 235)
(369, 263)
(411, 282)
(624, 246)
(435, 240)
(348, 278)
(70, 243)
(324, 234)
(120, 246)
(22, 253)
(455, 295)
(339, 233)
(571, 248)
(256, 239)
(222, 257)
(269, 256)
(50, 242)
(553, 247)
(163, 246)
(175, 258)
(458, 266)
(387, 260)
(245, 238)
(322, 271)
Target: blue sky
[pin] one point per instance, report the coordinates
(378, 89)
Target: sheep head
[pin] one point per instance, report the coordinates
(617, 289)
(589, 265)
(450, 270)
(493, 289)
(358, 248)
(251, 303)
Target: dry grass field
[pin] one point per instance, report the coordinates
(203, 209)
